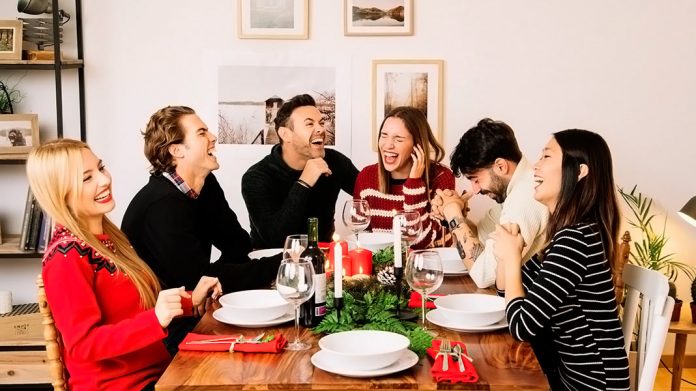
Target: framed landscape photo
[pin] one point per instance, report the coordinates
(415, 83)
(273, 19)
(378, 17)
(19, 133)
(10, 39)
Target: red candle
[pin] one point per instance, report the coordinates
(361, 260)
(347, 265)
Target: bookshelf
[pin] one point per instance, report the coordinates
(10, 247)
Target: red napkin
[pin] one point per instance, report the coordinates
(415, 300)
(275, 345)
(452, 374)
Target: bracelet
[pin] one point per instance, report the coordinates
(304, 184)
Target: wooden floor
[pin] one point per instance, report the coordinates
(663, 381)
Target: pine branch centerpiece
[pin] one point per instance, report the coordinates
(370, 304)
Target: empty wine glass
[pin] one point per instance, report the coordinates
(424, 274)
(294, 246)
(411, 226)
(356, 215)
(295, 283)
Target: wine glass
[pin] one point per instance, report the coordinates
(424, 274)
(295, 283)
(356, 215)
(411, 225)
(294, 246)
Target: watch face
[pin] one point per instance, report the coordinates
(453, 224)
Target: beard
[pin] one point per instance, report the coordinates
(498, 190)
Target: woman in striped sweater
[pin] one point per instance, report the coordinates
(406, 175)
(563, 300)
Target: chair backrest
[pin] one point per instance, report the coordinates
(647, 300)
(54, 342)
(621, 260)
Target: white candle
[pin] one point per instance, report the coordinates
(396, 231)
(338, 270)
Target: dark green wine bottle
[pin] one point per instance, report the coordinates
(314, 309)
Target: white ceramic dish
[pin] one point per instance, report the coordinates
(259, 305)
(435, 317)
(375, 241)
(365, 350)
(225, 315)
(451, 261)
(469, 310)
(329, 363)
(268, 252)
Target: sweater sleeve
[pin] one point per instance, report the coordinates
(272, 222)
(416, 199)
(549, 284)
(69, 284)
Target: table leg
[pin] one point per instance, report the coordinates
(678, 360)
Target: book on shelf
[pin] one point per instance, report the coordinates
(33, 237)
(26, 221)
(44, 232)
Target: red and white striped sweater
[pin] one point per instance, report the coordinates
(408, 195)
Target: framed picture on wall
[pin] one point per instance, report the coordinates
(378, 17)
(19, 133)
(10, 39)
(273, 19)
(416, 83)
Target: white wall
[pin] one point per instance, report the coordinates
(623, 69)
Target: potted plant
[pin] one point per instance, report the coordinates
(648, 251)
(672, 292)
(8, 97)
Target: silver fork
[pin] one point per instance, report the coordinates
(445, 351)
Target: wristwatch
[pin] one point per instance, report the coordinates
(455, 223)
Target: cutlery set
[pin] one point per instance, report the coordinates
(456, 352)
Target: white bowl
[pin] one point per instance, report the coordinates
(375, 241)
(451, 261)
(268, 252)
(258, 305)
(365, 349)
(471, 309)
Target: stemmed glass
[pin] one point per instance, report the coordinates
(295, 283)
(356, 215)
(411, 226)
(294, 246)
(424, 274)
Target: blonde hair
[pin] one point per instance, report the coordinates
(55, 172)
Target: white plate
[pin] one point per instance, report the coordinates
(435, 317)
(461, 272)
(226, 315)
(329, 363)
(269, 252)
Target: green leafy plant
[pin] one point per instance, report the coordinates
(369, 305)
(648, 251)
(383, 257)
(9, 96)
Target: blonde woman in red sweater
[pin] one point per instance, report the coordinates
(106, 301)
(406, 175)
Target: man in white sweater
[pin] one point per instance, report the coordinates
(488, 155)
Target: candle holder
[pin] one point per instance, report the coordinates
(399, 276)
(338, 304)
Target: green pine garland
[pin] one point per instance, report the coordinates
(369, 305)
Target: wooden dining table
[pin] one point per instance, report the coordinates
(501, 362)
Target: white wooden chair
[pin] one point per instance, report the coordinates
(646, 294)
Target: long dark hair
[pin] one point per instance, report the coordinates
(417, 124)
(592, 198)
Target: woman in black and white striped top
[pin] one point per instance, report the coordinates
(563, 300)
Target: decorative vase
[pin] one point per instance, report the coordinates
(676, 312)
